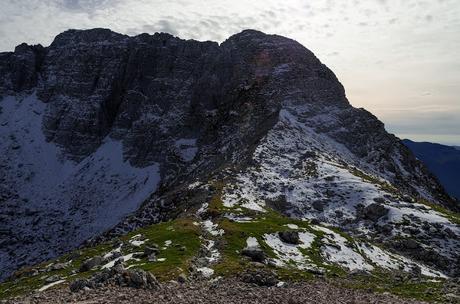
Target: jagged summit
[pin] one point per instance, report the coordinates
(97, 35)
(103, 133)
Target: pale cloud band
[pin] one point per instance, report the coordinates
(397, 58)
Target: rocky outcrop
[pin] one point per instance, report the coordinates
(91, 263)
(290, 237)
(372, 212)
(117, 275)
(260, 278)
(256, 254)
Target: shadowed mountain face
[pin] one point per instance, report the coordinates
(102, 132)
(443, 161)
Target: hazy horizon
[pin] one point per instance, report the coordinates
(397, 59)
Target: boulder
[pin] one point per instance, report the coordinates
(152, 258)
(372, 212)
(79, 284)
(260, 278)
(52, 279)
(379, 200)
(153, 249)
(290, 237)
(91, 263)
(256, 254)
(58, 266)
(139, 279)
(318, 205)
(182, 278)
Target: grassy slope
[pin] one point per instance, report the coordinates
(182, 232)
(186, 244)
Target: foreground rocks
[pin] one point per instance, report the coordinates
(260, 278)
(118, 276)
(224, 291)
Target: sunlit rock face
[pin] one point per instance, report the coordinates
(105, 132)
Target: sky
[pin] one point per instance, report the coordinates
(399, 59)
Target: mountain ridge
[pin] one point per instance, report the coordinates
(140, 130)
(442, 160)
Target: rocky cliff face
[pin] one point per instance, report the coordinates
(101, 131)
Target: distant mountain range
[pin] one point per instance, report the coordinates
(443, 161)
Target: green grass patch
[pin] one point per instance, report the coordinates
(185, 245)
(28, 281)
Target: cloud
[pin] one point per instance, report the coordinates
(88, 6)
(163, 26)
(333, 54)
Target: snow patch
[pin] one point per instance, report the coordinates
(187, 148)
(292, 226)
(111, 253)
(252, 242)
(124, 258)
(203, 209)
(388, 260)
(238, 218)
(51, 285)
(211, 228)
(290, 253)
(206, 271)
(137, 243)
(213, 254)
(336, 249)
(194, 185)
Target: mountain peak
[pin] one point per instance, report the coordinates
(105, 134)
(96, 35)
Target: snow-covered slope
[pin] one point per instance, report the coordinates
(310, 176)
(50, 203)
